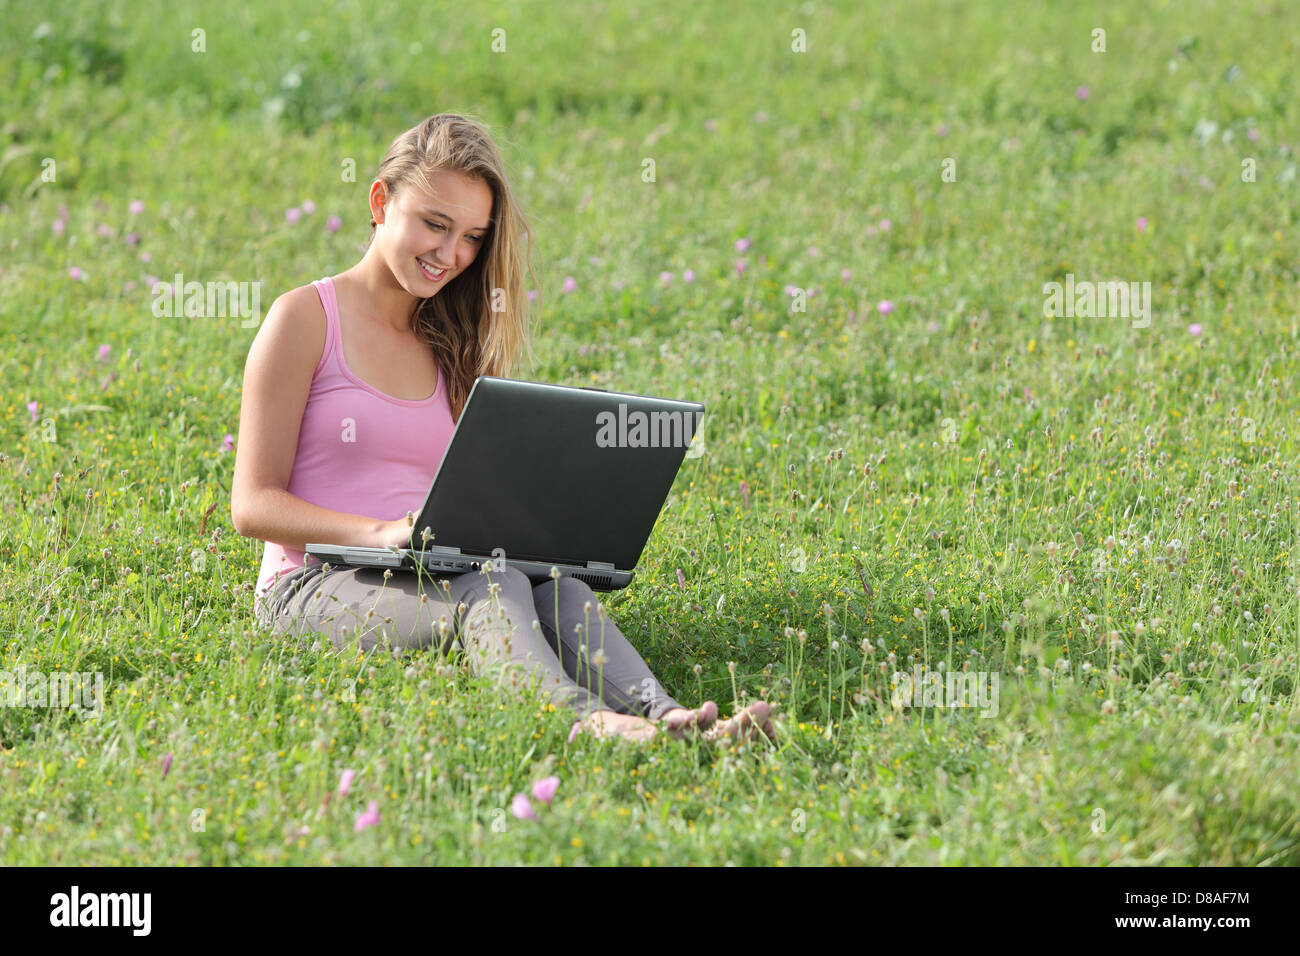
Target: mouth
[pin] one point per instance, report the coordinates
(430, 273)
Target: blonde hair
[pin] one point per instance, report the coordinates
(467, 337)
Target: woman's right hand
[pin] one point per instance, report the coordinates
(396, 533)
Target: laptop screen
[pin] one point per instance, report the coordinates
(557, 473)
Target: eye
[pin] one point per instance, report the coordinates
(477, 240)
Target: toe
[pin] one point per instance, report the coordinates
(750, 718)
(708, 714)
(682, 721)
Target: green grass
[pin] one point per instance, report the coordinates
(971, 454)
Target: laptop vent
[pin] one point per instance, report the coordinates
(602, 581)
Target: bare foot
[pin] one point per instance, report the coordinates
(608, 723)
(679, 721)
(745, 725)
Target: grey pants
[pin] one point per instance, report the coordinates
(556, 632)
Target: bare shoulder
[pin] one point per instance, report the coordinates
(294, 329)
(298, 311)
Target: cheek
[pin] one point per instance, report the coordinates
(399, 242)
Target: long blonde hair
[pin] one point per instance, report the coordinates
(467, 337)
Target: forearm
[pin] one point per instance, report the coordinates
(275, 515)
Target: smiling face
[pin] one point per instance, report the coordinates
(444, 230)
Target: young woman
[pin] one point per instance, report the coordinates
(351, 390)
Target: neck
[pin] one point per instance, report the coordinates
(376, 292)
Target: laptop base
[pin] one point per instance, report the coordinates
(445, 561)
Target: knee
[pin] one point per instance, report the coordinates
(575, 589)
(509, 579)
(577, 599)
(572, 594)
(498, 594)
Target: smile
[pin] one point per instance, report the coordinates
(432, 274)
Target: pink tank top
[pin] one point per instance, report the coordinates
(359, 450)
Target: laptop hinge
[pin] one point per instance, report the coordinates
(437, 549)
(600, 566)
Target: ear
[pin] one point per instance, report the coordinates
(378, 200)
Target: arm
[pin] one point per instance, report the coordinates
(277, 379)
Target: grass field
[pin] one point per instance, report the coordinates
(906, 464)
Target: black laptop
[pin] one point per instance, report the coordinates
(538, 476)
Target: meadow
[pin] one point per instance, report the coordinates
(907, 466)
